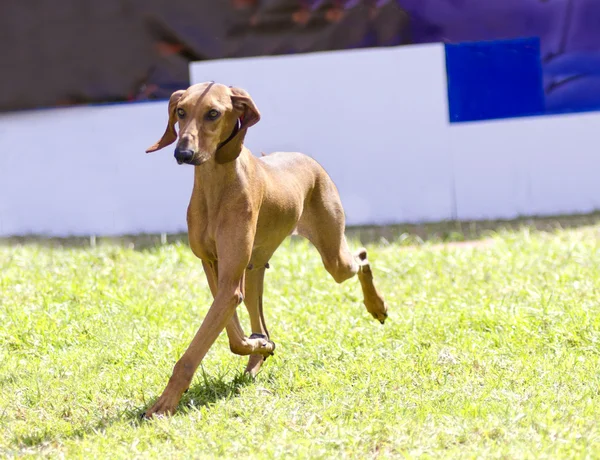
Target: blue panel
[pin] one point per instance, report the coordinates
(496, 79)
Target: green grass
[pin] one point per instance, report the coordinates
(489, 351)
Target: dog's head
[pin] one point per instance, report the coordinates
(213, 120)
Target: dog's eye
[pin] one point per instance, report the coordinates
(180, 113)
(213, 114)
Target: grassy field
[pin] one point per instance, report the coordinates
(490, 350)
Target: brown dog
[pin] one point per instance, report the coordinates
(241, 209)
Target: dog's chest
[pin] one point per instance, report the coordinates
(202, 241)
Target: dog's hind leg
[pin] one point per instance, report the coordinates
(323, 223)
(373, 300)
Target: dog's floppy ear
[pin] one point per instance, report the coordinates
(170, 135)
(242, 102)
(248, 115)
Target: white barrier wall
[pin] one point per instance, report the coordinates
(80, 171)
(526, 166)
(376, 119)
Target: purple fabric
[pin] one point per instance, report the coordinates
(569, 31)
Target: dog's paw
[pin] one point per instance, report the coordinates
(255, 362)
(377, 308)
(164, 407)
(266, 347)
(381, 317)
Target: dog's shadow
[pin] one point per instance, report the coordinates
(206, 392)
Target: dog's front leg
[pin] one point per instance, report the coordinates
(219, 314)
(229, 296)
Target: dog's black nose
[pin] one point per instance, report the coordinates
(183, 155)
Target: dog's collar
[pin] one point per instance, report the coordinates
(236, 129)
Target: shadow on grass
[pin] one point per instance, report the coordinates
(203, 394)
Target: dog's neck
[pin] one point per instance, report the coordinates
(213, 175)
